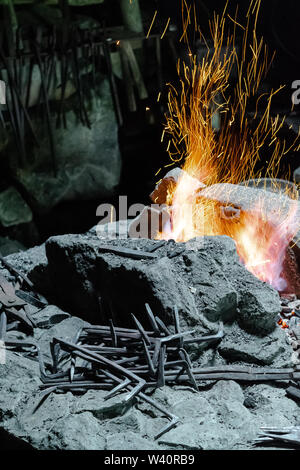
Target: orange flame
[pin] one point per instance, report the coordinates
(233, 154)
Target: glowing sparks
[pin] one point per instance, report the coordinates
(232, 155)
(151, 25)
(165, 30)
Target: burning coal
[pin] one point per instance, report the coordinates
(222, 160)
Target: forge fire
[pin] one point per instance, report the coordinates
(150, 227)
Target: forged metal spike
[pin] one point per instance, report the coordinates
(176, 319)
(43, 395)
(182, 369)
(68, 387)
(148, 359)
(152, 319)
(141, 329)
(97, 359)
(108, 350)
(77, 336)
(176, 336)
(157, 348)
(162, 326)
(72, 368)
(177, 325)
(3, 326)
(54, 349)
(113, 334)
(127, 359)
(290, 435)
(117, 389)
(135, 391)
(174, 419)
(183, 354)
(274, 430)
(102, 329)
(161, 367)
(215, 337)
(167, 428)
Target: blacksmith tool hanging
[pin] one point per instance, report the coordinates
(15, 104)
(105, 46)
(76, 42)
(64, 60)
(37, 46)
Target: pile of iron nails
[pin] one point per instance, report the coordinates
(122, 359)
(117, 359)
(100, 357)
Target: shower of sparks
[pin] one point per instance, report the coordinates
(204, 93)
(233, 154)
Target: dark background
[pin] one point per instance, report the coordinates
(139, 137)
